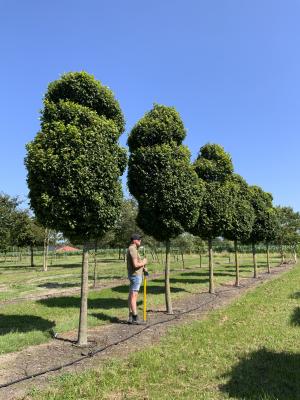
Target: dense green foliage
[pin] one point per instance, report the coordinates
(74, 162)
(8, 210)
(213, 164)
(239, 213)
(161, 177)
(82, 88)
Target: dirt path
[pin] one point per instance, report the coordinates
(115, 339)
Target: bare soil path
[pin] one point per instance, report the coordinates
(117, 339)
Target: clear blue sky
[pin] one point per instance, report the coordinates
(230, 67)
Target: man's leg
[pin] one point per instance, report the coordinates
(132, 301)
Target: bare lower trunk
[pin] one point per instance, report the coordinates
(237, 267)
(282, 255)
(95, 264)
(200, 256)
(31, 257)
(254, 261)
(182, 259)
(295, 256)
(167, 280)
(82, 330)
(46, 248)
(268, 259)
(211, 267)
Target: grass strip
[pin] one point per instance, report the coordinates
(247, 351)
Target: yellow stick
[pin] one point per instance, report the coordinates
(145, 299)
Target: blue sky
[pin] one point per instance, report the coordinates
(230, 67)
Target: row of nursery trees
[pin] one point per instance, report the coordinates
(75, 163)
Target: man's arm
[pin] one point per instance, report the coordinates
(139, 263)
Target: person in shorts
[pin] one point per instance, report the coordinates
(135, 268)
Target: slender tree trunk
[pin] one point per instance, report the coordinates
(200, 259)
(182, 259)
(82, 330)
(282, 254)
(237, 268)
(295, 256)
(254, 261)
(268, 259)
(46, 248)
(211, 267)
(31, 257)
(95, 264)
(167, 280)
(119, 253)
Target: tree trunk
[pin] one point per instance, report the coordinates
(46, 248)
(31, 257)
(120, 253)
(200, 256)
(211, 267)
(295, 256)
(167, 280)
(268, 259)
(182, 259)
(282, 254)
(95, 264)
(237, 268)
(82, 330)
(254, 261)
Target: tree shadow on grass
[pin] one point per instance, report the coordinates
(295, 318)
(295, 295)
(205, 274)
(74, 302)
(183, 280)
(151, 289)
(265, 375)
(56, 285)
(23, 323)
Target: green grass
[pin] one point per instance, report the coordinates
(29, 322)
(248, 351)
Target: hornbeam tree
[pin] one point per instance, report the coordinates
(271, 231)
(162, 180)
(240, 215)
(74, 165)
(214, 166)
(289, 230)
(261, 203)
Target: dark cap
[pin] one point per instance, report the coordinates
(136, 236)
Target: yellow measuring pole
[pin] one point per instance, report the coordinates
(145, 298)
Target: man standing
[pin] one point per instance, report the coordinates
(135, 268)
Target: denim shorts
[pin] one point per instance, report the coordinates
(135, 282)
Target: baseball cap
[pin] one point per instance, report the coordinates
(136, 236)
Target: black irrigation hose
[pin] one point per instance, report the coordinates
(93, 353)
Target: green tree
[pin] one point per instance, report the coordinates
(74, 165)
(162, 180)
(271, 231)
(8, 209)
(288, 232)
(214, 166)
(239, 215)
(27, 232)
(261, 203)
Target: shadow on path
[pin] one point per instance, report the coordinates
(265, 375)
